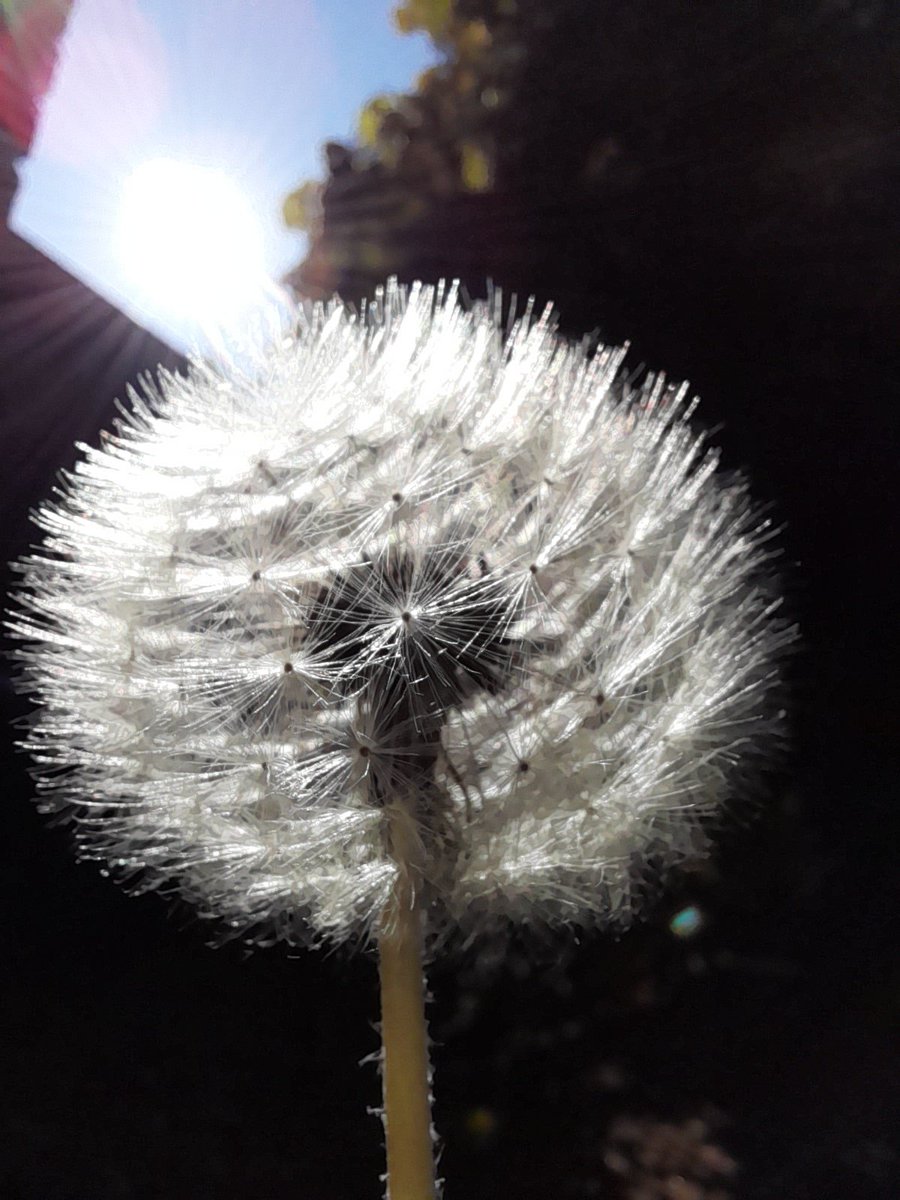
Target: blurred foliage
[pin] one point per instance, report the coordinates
(302, 209)
(429, 16)
(474, 168)
(611, 156)
(372, 118)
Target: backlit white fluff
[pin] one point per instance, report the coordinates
(400, 559)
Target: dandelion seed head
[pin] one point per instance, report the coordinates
(402, 558)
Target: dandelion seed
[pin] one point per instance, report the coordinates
(405, 626)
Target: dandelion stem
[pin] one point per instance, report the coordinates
(405, 1068)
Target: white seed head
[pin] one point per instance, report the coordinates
(400, 562)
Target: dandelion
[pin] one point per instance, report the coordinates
(403, 626)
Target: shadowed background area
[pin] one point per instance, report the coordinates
(719, 187)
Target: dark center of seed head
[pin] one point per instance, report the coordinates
(406, 693)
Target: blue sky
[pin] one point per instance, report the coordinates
(249, 88)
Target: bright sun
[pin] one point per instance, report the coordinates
(190, 241)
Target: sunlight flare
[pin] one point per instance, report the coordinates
(191, 241)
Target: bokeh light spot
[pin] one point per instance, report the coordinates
(686, 922)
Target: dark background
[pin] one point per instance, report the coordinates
(742, 229)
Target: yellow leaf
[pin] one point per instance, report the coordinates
(368, 124)
(303, 207)
(474, 168)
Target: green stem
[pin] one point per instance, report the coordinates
(404, 1036)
